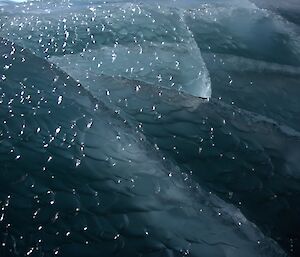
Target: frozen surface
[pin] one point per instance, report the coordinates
(149, 43)
(88, 182)
(149, 128)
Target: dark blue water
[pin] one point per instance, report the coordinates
(149, 129)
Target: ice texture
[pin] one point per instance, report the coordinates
(114, 143)
(149, 43)
(86, 182)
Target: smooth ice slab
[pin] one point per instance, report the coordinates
(149, 43)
